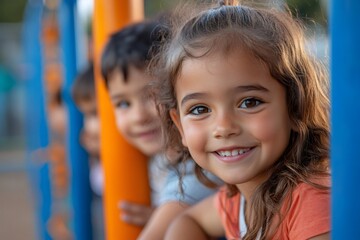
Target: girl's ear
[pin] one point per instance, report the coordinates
(176, 120)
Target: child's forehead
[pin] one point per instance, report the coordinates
(137, 79)
(213, 57)
(87, 105)
(129, 74)
(85, 99)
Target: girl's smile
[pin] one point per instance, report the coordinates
(229, 155)
(232, 116)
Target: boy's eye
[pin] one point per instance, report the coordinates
(250, 103)
(122, 104)
(199, 110)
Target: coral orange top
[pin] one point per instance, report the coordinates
(307, 217)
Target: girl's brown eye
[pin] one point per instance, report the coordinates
(199, 110)
(250, 103)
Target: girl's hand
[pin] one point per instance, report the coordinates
(136, 214)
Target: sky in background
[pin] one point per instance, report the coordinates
(85, 8)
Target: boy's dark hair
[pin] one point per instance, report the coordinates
(83, 88)
(129, 46)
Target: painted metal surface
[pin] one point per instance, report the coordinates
(345, 88)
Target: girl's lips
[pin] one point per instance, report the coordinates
(233, 154)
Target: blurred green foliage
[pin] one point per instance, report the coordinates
(154, 7)
(12, 11)
(309, 11)
(312, 12)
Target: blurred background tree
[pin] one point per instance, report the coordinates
(11, 11)
(11, 16)
(313, 12)
(153, 7)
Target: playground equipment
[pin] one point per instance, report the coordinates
(50, 45)
(123, 164)
(125, 168)
(62, 201)
(345, 65)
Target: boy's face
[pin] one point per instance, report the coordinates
(136, 115)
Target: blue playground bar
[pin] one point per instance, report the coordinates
(345, 89)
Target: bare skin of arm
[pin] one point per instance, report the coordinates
(198, 222)
(160, 220)
(156, 221)
(136, 214)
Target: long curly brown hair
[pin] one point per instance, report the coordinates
(277, 39)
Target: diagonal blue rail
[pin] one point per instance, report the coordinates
(345, 143)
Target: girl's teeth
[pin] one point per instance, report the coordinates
(233, 152)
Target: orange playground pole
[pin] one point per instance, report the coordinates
(126, 176)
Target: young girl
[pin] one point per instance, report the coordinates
(250, 105)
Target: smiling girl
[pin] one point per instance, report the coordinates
(239, 93)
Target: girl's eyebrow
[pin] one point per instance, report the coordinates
(255, 87)
(245, 88)
(191, 96)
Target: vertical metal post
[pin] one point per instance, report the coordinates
(80, 193)
(124, 179)
(36, 125)
(345, 143)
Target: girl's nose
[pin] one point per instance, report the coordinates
(226, 125)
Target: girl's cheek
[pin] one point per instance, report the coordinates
(272, 131)
(263, 127)
(195, 137)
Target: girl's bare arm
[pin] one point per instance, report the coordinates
(200, 221)
(161, 219)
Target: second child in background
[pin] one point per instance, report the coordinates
(84, 96)
(124, 68)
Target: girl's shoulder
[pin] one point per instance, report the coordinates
(308, 196)
(320, 185)
(307, 212)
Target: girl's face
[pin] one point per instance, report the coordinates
(136, 115)
(232, 116)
